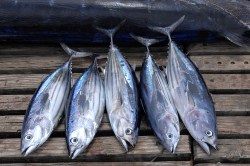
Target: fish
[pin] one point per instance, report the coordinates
(46, 107)
(227, 18)
(85, 110)
(121, 92)
(191, 97)
(157, 100)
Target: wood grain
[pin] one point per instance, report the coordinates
(48, 63)
(23, 82)
(230, 150)
(219, 48)
(230, 104)
(102, 148)
(228, 126)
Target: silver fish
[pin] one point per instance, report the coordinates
(46, 108)
(122, 99)
(157, 100)
(190, 94)
(85, 111)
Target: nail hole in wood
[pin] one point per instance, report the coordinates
(246, 62)
(232, 63)
(219, 63)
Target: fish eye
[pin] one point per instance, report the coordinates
(128, 131)
(169, 135)
(28, 137)
(74, 140)
(209, 133)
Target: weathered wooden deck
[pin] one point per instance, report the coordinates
(225, 68)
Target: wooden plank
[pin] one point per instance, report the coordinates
(224, 47)
(169, 163)
(14, 103)
(230, 150)
(101, 149)
(233, 126)
(235, 104)
(228, 126)
(12, 124)
(30, 82)
(222, 63)
(38, 64)
(227, 81)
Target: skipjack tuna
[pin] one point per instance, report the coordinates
(229, 18)
(46, 107)
(157, 100)
(85, 110)
(122, 99)
(190, 94)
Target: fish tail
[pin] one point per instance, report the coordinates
(74, 54)
(111, 32)
(237, 38)
(145, 41)
(169, 29)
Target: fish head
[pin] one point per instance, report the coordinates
(76, 142)
(127, 132)
(170, 132)
(204, 129)
(34, 134)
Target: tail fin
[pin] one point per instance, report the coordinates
(237, 39)
(145, 41)
(111, 32)
(168, 30)
(73, 53)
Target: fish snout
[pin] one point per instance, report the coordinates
(28, 150)
(174, 147)
(74, 151)
(171, 148)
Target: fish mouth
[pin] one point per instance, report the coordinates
(206, 146)
(127, 143)
(75, 152)
(173, 148)
(170, 148)
(28, 150)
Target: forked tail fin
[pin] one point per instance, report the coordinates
(111, 32)
(75, 54)
(145, 41)
(169, 29)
